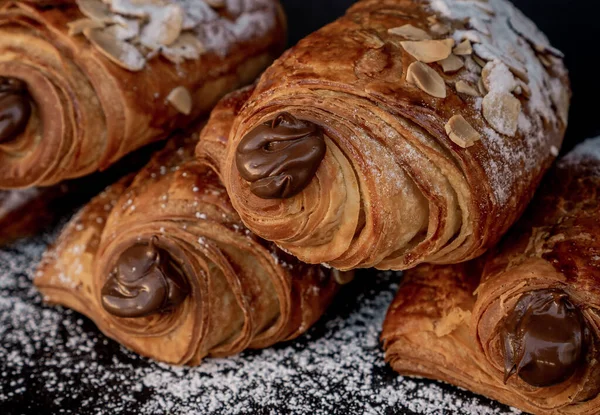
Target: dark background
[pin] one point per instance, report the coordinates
(573, 26)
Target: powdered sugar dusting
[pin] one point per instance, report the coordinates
(53, 360)
(511, 45)
(589, 149)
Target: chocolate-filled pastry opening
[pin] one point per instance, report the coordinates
(545, 338)
(15, 108)
(145, 280)
(280, 157)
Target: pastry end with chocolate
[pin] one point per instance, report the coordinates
(146, 280)
(545, 338)
(279, 158)
(15, 108)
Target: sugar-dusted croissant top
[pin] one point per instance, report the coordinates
(439, 119)
(82, 83)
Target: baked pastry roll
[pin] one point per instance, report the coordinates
(522, 324)
(162, 264)
(404, 132)
(82, 83)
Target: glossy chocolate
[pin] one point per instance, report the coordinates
(545, 338)
(15, 108)
(145, 281)
(280, 158)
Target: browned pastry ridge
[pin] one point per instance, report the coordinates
(88, 81)
(162, 263)
(521, 325)
(404, 132)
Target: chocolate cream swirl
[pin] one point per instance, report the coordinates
(15, 108)
(280, 157)
(146, 280)
(545, 338)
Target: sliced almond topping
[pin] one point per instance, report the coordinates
(479, 61)
(164, 27)
(461, 132)
(120, 52)
(125, 29)
(463, 48)
(187, 46)
(545, 61)
(472, 66)
(497, 77)
(481, 87)
(466, 88)
(181, 99)
(429, 50)
(501, 110)
(489, 53)
(440, 29)
(410, 32)
(426, 79)
(529, 31)
(95, 10)
(341, 277)
(561, 98)
(77, 27)
(452, 63)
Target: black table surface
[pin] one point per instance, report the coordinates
(53, 360)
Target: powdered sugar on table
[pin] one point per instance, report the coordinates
(53, 360)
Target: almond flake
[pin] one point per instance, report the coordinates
(410, 32)
(440, 29)
(120, 52)
(463, 48)
(77, 27)
(95, 10)
(428, 51)
(451, 64)
(545, 61)
(472, 66)
(479, 61)
(466, 88)
(164, 27)
(461, 132)
(426, 79)
(181, 99)
(343, 278)
(501, 110)
(187, 46)
(481, 86)
(497, 77)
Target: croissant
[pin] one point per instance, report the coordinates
(522, 324)
(404, 132)
(162, 264)
(82, 83)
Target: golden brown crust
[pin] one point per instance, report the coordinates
(554, 246)
(90, 111)
(245, 292)
(394, 189)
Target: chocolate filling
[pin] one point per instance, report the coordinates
(146, 280)
(545, 338)
(15, 108)
(280, 158)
